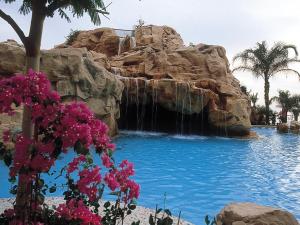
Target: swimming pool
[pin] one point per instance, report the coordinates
(201, 174)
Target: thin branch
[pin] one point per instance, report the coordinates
(15, 26)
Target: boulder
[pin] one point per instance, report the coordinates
(283, 128)
(103, 40)
(75, 74)
(252, 214)
(158, 37)
(295, 127)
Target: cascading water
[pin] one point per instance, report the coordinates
(144, 102)
(144, 109)
(137, 103)
(132, 42)
(121, 44)
(182, 110)
(176, 104)
(190, 105)
(154, 105)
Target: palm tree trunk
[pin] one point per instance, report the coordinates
(296, 116)
(284, 115)
(32, 62)
(267, 101)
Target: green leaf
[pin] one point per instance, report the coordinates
(167, 221)
(158, 210)
(89, 159)
(207, 221)
(40, 183)
(7, 159)
(151, 220)
(106, 204)
(14, 190)
(168, 212)
(12, 180)
(40, 198)
(136, 223)
(132, 207)
(117, 193)
(52, 189)
(80, 149)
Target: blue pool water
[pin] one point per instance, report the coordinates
(201, 174)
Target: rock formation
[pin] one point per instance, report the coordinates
(293, 127)
(162, 76)
(168, 86)
(252, 214)
(76, 74)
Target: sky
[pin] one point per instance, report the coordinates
(233, 24)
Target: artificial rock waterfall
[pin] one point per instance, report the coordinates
(166, 85)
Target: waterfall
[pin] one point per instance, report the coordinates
(182, 109)
(190, 105)
(132, 42)
(127, 86)
(225, 124)
(144, 105)
(154, 106)
(121, 43)
(137, 103)
(202, 102)
(176, 104)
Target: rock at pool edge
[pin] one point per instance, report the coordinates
(252, 214)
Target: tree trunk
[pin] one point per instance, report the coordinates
(267, 100)
(32, 62)
(296, 115)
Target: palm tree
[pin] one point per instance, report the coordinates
(254, 99)
(296, 106)
(287, 103)
(296, 112)
(266, 62)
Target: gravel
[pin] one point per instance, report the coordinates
(140, 213)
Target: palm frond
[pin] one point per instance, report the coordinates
(288, 70)
(247, 69)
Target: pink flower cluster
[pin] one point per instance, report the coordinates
(27, 90)
(73, 210)
(58, 127)
(89, 178)
(119, 178)
(39, 162)
(71, 123)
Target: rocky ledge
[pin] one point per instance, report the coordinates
(165, 80)
(75, 73)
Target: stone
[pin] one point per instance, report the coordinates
(75, 74)
(161, 37)
(295, 127)
(252, 214)
(283, 128)
(102, 40)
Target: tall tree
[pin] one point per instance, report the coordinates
(266, 62)
(287, 102)
(40, 10)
